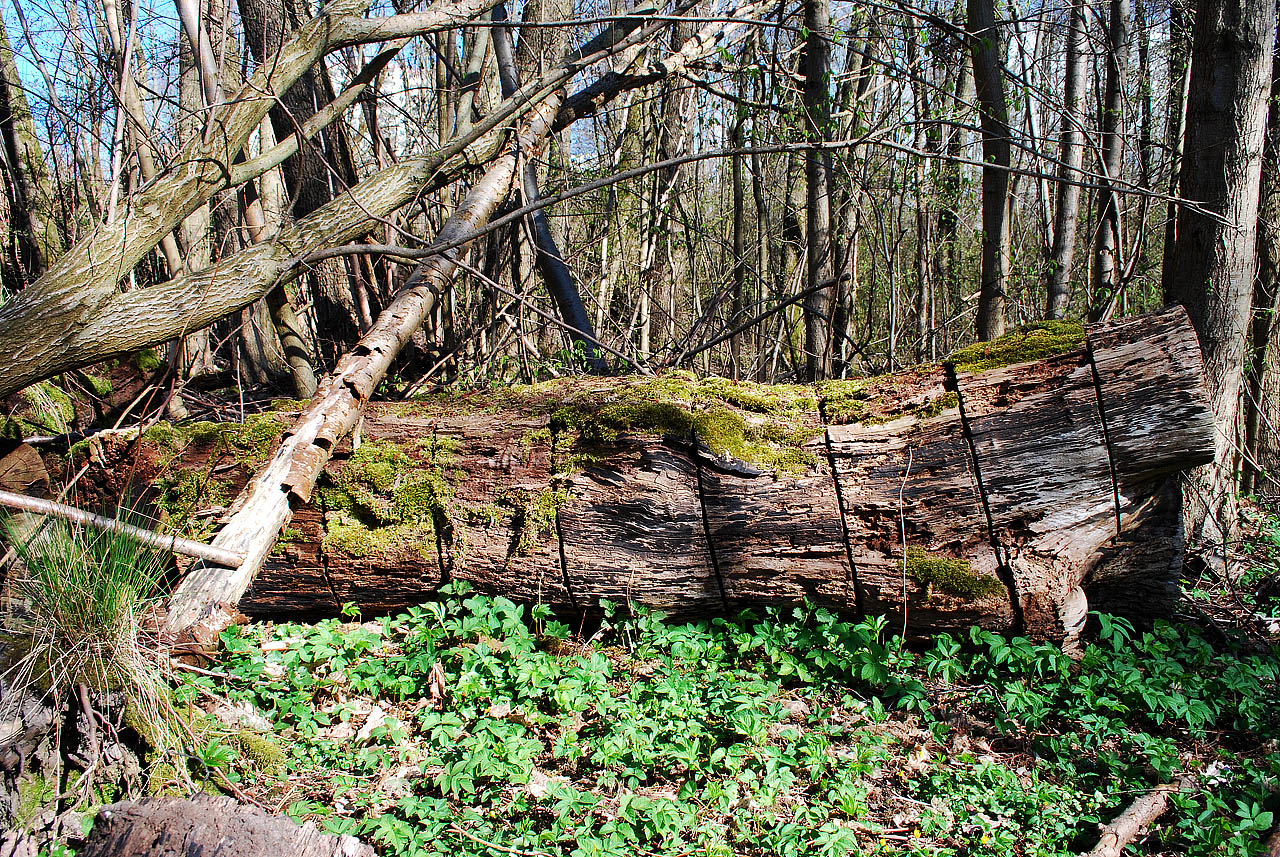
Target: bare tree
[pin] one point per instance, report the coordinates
(988, 73)
(817, 171)
(1107, 272)
(1071, 159)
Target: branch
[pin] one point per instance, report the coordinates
(1135, 820)
(200, 550)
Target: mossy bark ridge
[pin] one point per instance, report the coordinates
(939, 496)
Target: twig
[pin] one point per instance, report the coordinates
(453, 828)
(200, 550)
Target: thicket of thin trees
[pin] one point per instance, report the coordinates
(771, 190)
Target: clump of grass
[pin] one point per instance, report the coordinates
(85, 598)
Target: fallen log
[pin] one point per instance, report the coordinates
(997, 489)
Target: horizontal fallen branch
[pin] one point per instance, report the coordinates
(186, 547)
(1135, 820)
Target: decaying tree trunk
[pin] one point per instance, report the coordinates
(942, 496)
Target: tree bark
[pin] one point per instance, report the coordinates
(1107, 272)
(955, 498)
(1214, 259)
(993, 115)
(1071, 159)
(817, 171)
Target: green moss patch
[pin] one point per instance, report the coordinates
(147, 360)
(952, 575)
(1024, 344)
(885, 398)
(248, 442)
(46, 409)
(762, 425)
(184, 491)
(382, 499)
(34, 794)
(844, 401)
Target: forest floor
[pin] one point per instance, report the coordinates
(473, 726)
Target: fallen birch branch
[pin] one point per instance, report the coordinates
(1135, 820)
(187, 547)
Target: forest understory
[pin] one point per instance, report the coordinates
(474, 726)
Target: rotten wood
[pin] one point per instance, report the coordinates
(1039, 448)
(985, 498)
(177, 827)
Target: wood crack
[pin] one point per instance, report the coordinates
(1005, 564)
(559, 528)
(324, 554)
(859, 604)
(1106, 432)
(696, 456)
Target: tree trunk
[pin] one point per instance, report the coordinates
(555, 273)
(1107, 272)
(1261, 405)
(938, 497)
(737, 240)
(1071, 159)
(817, 171)
(30, 194)
(1175, 130)
(1214, 259)
(658, 273)
(950, 253)
(993, 114)
(312, 176)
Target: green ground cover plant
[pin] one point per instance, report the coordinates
(473, 726)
